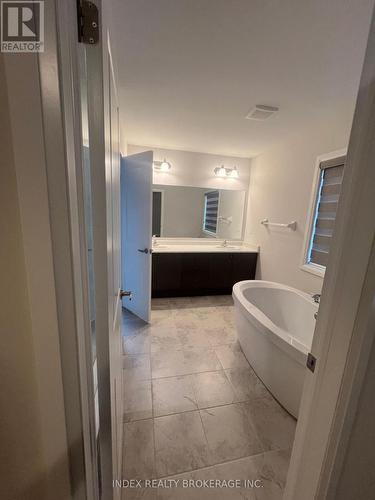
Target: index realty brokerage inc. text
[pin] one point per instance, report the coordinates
(187, 483)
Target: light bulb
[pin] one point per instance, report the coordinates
(222, 172)
(234, 173)
(165, 166)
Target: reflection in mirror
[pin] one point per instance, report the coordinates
(193, 212)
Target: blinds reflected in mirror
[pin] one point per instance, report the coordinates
(331, 174)
(211, 207)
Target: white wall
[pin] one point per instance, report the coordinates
(197, 169)
(280, 188)
(34, 455)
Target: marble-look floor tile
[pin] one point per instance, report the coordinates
(163, 338)
(274, 426)
(182, 491)
(191, 337)
(202, 314)
(220, 336)
(162, 317)
(201, 301)
(136, 367)
(181, 302)
(189, 342)
(221, 300)
(137, 400)
(187, 320)
(246, 384)
(138, 450)
(200, 359)
(170, 363)
(229, 320)
(180, 443)
(212, 389)
(160, 303)
(138, 342)
(231, 356)
(173, 395)
(141, 493)
(167, 363)
(229, 432)
(212, 321)
(269, 468)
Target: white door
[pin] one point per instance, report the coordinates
(136, 227)
(87, 223)
(114, 257)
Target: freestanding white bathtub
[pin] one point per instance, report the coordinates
(275, 325)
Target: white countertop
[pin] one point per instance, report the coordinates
(203, 248)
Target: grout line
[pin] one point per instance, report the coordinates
(205, 408)
(153, 440)
(187, 374)
(205, 435)
(225, 462)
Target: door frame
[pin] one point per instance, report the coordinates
(65, 183)
(342, 338)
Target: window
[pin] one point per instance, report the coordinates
(323, 214)
(211, 206)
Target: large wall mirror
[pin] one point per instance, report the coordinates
(193, 212)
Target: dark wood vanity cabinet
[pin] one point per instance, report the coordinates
(188, 274)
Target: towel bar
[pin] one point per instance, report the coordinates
(291, 225)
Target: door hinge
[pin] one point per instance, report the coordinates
(311, 362)
(88, 22)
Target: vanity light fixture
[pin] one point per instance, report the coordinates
(226, 172)
(234, 173)
(162, 166)
(220, 171)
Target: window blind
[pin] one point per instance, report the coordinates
(211, 207)
(331, 174)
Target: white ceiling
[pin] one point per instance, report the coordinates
(190, 70)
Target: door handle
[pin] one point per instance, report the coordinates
(124, 293)
(145, 250)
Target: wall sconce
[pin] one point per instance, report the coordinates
(226, 172)
(220, 171)
(162, 166)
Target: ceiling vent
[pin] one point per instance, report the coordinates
(261, 112)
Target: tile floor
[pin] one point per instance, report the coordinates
(194, 408)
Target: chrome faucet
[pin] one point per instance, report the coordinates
(316, 298)
(224, 244)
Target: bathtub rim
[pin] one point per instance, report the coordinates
(264, 325)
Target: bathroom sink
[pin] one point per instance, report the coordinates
(228, 246)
